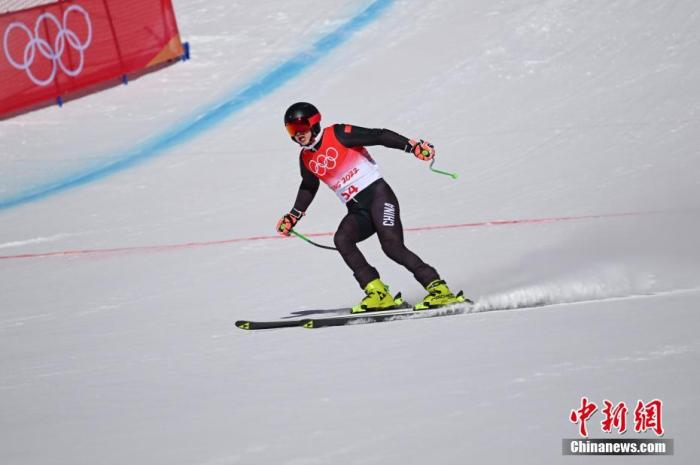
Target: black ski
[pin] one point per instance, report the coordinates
(404, 312)
(379, 317)
(250, 325)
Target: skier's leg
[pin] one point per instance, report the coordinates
(387, 221)
(355, 227)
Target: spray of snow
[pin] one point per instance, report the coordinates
(609, 282)
(640, 257)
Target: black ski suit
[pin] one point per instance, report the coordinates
(375, 209)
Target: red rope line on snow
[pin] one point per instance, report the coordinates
(195, 245)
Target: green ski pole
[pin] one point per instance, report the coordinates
(446, 173)
(304, 238)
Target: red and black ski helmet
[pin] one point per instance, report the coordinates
(301, 117)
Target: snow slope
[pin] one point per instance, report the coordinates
(548, 109)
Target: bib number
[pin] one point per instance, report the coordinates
(350, 192)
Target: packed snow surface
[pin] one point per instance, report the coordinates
(137, 225)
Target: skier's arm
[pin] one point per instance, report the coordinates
(307, 189)
(356, 136)
(307, 192)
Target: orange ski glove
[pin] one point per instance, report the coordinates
(421, 149)
(288, 221)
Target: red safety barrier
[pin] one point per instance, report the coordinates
(50, 51)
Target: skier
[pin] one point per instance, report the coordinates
(337, 156)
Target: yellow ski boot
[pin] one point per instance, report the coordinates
(378, 298)
(439, 295)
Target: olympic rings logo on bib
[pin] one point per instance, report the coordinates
(324, 162)
(52, 52)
